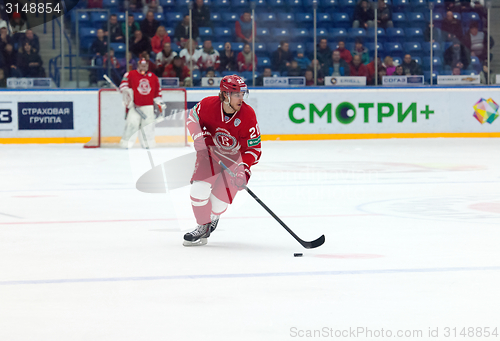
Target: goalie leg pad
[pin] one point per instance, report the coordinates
(148, 126)
(132, 125)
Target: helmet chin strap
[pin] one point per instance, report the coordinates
(229, 102)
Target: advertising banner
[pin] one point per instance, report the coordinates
(284, 81)
(169, 82)
(29, 83)
(403, 80)
(456, 80)
(345, 81)
(210, 81)
(45, 115)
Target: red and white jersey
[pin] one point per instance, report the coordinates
(146, 87)
(232, 137)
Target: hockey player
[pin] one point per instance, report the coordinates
(141, 93)
(224, 128)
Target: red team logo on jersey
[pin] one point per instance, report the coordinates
(144, 87)
(225, 141)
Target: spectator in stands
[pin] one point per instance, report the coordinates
(165, 57)
(324, 54)
(361, 51)
(139, 44)
(384, 15)
(201, 14)
(244, 59)
(190, 54)
(94, 3)
(115, 67)
(5, 24)
(437, 35)
(309, 75)
(456, 70)
(281, 58)
(381, 73)
(10, 61)
(451, 27)
(32, 39)
(149, 25)
(99, 49)
(151, 64)
(483, 75)
(357, 68)
(363, 15)
(131, 26)
(259, 81)
(210, 73)
(30, 63)
(389, 65)
(228, 59)
(371, 70)
(457, 54)
(181, 34)
(5, 38)
(294, 69)
(133, 6)
(3, 80)
(345, 54)
(151, 6)
(410, 67)
(302, 60)
(177, 69)
(477, 42)
(338, 66)
(320, 75)
(17, 24)
(209, 57)
(115, 31)
(158, 41)
(243, 28)
(399, 71)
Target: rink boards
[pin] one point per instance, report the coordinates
(54, 116)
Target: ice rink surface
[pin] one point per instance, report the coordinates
(412, 232)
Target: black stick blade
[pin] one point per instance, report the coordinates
(314, 244)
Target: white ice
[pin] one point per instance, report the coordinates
(412, 232)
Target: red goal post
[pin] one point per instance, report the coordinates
(110, 123)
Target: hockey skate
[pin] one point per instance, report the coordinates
(215, 221)
(199, 236)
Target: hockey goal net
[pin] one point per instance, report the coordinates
(170, 131)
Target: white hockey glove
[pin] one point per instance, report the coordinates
(159, 107)
(128, 98)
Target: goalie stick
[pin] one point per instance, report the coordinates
(308, 245)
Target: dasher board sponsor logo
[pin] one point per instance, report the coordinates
(28, 83)
(402, 80)
(284, 81)
(169, 82)
(210, 81)
(345, 81)
(467, 79)
(45, 115)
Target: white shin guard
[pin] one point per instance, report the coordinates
(200, 193)
(134, 123)
(218, 206)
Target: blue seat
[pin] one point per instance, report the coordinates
(223, 33)
(173, 18)
(119, 49)
(276, 4)
(295, 46)
(160, 17)
(261, 3)
(371, 49)
(139, 17)
(167, 4)
(263, 33)
(276, 74)
(206, 33)
(263, 63)
(417, 60)
(286, 19)
(229, 73)
(414, 34)
(427, 76)
(170, 31)
(235, 4)
(414, 48)
(348, 6)
(98, 18)
(218, 45)
(436, 17)
(469, 72)
(416, 19)
(324, 20)
(272, 46)
(230, 18)
(341, 20)
(356, 33)
(437, 62)
(399, 20)
(267, 18)
(457, 16)
(280, 33)
(83, 19)
(475, 64)
(112, 5)
(328, 5)
(222, 4)
(120, 16)
(216, 19)
(237, 46)
(468, 17)
(300, 34)
(247, 76)
(196, 77)
(395, 34)
(436, 48)
(397, 60)
(419, 5)
(310, 47)
(338, 34)
(393, 49)
(381, 37)
(304, 19)
(260, 48)
(401, 5)
(321, 33)
(294, 4)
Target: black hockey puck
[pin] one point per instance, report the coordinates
(297, 254)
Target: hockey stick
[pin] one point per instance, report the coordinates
(308, 245)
